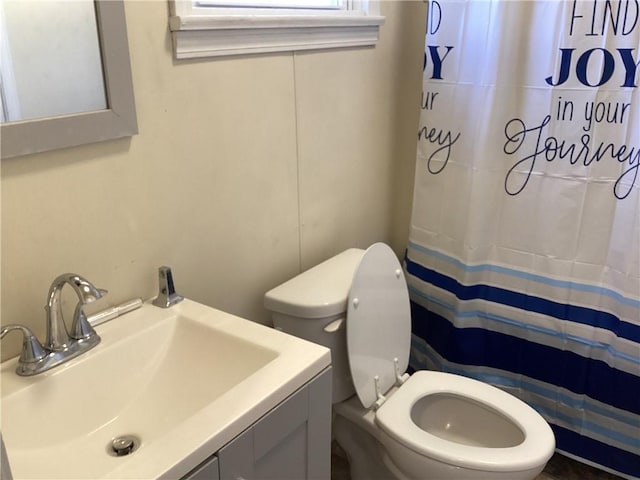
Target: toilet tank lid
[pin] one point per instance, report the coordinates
(321, 291)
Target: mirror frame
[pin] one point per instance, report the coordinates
(118, 120)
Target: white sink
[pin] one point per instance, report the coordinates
(184, 380)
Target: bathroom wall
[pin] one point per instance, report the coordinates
(246, 171)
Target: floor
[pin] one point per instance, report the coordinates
(558, 468)
(563, 468)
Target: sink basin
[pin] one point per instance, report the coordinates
(184, 380)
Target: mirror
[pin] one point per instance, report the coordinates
(50, 62)
(103, 105)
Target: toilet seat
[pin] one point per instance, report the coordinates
(378, 324)
(394, 418)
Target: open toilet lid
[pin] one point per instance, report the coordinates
(378, 323)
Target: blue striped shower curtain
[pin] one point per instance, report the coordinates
(523, 260)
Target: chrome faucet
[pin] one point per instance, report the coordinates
(58, 338)
(60, 346)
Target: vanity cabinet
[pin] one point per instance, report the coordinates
(292, 441)
(208, 470)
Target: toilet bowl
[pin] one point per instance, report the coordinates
(430, 425)
(463, 425)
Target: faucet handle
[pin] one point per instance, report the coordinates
(167, 295)
(81, 329)
(32, 349)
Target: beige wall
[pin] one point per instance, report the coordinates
(246, 170)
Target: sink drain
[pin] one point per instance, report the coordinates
(123, 445)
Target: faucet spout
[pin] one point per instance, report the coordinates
(58, 338)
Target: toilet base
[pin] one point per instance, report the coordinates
(363, 451)
(369, 460)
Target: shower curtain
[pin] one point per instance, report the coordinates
(523, 259)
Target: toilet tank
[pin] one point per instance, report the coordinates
(313, 306)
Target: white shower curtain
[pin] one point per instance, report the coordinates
(524, 252)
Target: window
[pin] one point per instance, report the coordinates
(206, 28)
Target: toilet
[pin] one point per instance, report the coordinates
(428, 425)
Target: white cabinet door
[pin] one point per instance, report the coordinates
(205, 471)
(292, 441)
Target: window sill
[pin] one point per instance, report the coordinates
(200, 36)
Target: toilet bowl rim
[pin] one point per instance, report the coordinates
(394, 420)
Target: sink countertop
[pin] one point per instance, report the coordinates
(192, 378)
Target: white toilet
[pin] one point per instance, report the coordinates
(429, 425)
